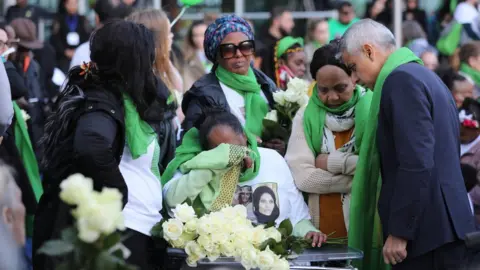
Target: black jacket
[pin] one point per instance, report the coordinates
(207, 92)
(423, 197)
(87, 136)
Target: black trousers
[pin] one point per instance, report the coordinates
(452, 256)
(149, 254)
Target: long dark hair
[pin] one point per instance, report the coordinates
(257, 194)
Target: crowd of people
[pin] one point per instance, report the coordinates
(386, 152)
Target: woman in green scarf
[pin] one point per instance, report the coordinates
(233, 84)
(220, 164)
(326, 135)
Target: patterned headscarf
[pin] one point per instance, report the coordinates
(219, 29)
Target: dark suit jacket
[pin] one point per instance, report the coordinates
(423, 197)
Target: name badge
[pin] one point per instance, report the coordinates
(73, 39)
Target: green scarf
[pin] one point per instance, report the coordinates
(364, 229)
(449, 41)
(256, 108)
(139, 134)
(316, 111)
(474, 74)
(191, 147)
(336, 28)
(25, 149)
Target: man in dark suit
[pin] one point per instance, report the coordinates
(423, 204)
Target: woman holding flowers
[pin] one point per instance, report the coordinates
(221, 156)
(233, 84)
(106, 127)
(289, 60)
(322, 150)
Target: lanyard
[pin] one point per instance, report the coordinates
(72, 22)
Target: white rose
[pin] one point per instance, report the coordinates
(240, 210)
(292, 96)
(204, 226)
(25, 115)
(272, 116)
(266, 259)
(184, 213)
(229, 213)
(213, 255)
(304, 101)
(85, 232)
(182, 240)
(273, 233)
(243, 233)
(280, 264)
(279, 98)
(228, 249)
(217, 220)
(298, 85)
(76, 189)
(98, 218)
(172, 229)
(220, 237)
(192, 248)
(191, 226)
(259, 235)
(248, 258)
(206, 243)
(110, 201)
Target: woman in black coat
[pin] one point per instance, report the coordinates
(91, 133)
(69, 31)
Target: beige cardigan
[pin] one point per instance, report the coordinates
(308, 178)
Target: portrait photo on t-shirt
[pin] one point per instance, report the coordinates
(261, 201)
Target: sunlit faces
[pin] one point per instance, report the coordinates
(71, 6)
(225, 134)
(430, 60)
(365, 65)
(321, 33)
(266, 204)
(296, 62)
(334, 86)
(238, 63)
(462, 90)
(198, 35)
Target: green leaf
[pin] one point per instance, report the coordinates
(297, 248)
(283, 232)
(157, 229)
(63, 266)
(287, 225)
(69, 235)
(111, 240)
(270, 224)
(56, 248)
(269, 242)
(274, 130)
(279, 249)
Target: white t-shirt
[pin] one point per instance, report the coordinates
(142, 210)
(272, 195)
(82, 54)
(236, 102)
(465, 13)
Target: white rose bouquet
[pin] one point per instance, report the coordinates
(226, 233)
(94, 243)
(278, 123)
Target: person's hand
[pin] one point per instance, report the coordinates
(1, 140)
(394, 250)
(276, 144)
(247, 162)
(69, 53)
(321, 162)
(318, 238)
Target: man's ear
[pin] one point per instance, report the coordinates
(7, 216)
(471, 60)
(368, 51)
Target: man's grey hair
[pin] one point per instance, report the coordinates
(367, 31)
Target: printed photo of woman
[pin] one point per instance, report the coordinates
(265, 206)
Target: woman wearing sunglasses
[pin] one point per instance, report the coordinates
(233, 84)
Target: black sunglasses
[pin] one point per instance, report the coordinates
(229, 50)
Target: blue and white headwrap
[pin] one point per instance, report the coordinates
(219, 29)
